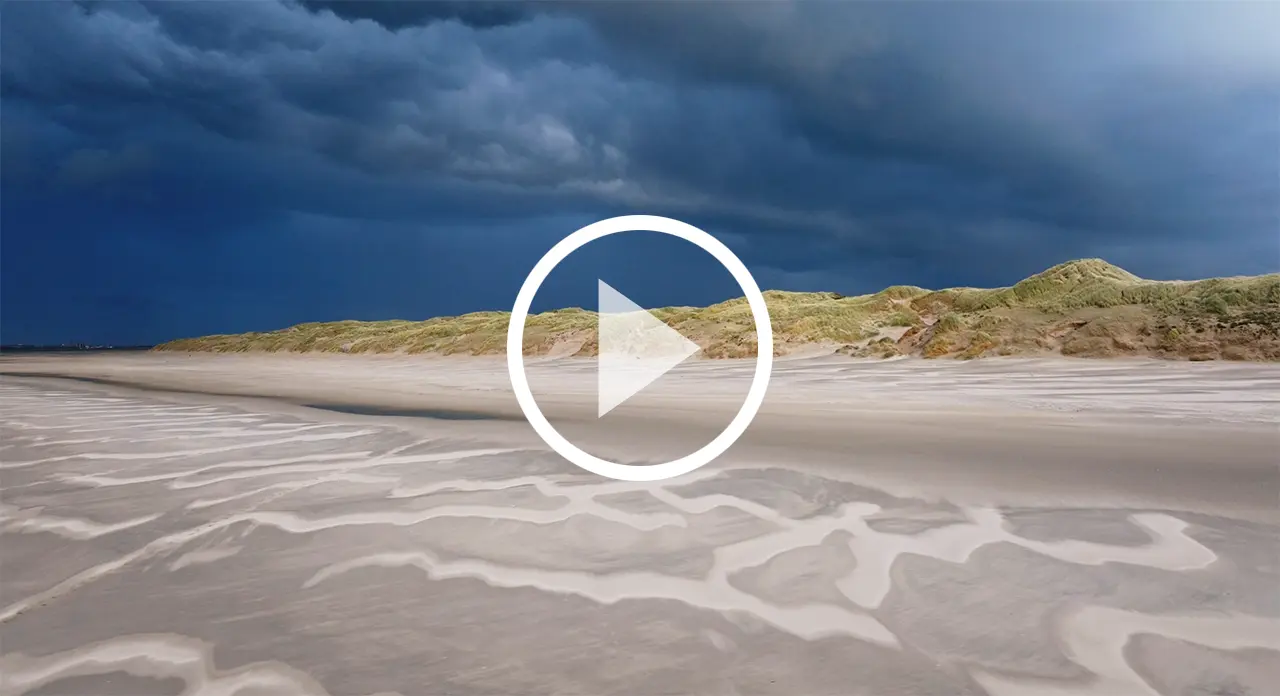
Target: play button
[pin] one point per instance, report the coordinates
(636, 348)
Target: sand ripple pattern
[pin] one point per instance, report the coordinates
(103, 492)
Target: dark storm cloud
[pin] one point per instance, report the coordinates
(833, 145)
(1051, 113)
(397, 14)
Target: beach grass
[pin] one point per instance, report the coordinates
(1085, 308)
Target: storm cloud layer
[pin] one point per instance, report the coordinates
(179, 168)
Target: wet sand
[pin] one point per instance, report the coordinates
(352, 525)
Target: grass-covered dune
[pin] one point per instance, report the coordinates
(1086, 308)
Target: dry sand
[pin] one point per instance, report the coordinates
(1004, 527)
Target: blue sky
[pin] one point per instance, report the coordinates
(178, 168)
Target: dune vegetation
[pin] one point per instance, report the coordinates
(1085, 308)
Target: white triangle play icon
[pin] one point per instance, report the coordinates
(636, 348)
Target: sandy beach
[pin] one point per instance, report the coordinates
(331, 524)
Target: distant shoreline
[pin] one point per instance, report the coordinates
(26, 349)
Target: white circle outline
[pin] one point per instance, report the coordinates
(759, 381)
